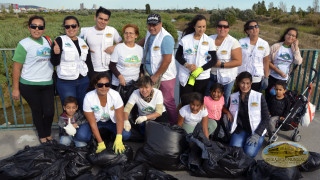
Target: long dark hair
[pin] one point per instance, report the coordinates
(190, 26)
(286, 32)
(36, 17)
(94, 80)
(240, 77)
(246, 25)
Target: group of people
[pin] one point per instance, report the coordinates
(92, 66)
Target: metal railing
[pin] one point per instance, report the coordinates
(13, 114)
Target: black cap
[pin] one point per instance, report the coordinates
(154, 19)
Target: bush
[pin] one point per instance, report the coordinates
(187, 17)
(247, 15)
(229, 14)
(311, 20)
(171, 29)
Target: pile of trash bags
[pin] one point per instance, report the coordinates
(166, 147)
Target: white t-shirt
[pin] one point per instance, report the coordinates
(189, 117)
(128, 61)
(283, 61)
(235, 45)
(145, 108)
(94, 40)
(91, 103)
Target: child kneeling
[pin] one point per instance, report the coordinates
(76, 117)
(193, 113)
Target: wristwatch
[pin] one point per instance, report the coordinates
(222, 65)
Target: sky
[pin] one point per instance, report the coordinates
(158, 4)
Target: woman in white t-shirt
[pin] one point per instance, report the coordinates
(126, 58)
(103, 108)
(149, 101)
(255, 56)
(282, 55)
(195, 112)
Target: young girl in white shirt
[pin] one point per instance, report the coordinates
(193, 113)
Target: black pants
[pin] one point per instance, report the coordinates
(41, 101)
(199, 86)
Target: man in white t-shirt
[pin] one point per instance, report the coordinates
(101, 39)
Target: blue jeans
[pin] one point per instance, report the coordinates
(66, 140)
(84, 132)
(227, 88)
(240, 140)
(76, 88)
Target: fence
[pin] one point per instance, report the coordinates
(17, 114)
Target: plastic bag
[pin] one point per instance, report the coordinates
(107, 158)
(264, 171)
(163, 146)
(126, 91)
(312, 164)
(309, 115)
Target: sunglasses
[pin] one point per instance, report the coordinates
(72, 25)
(32, 26)
(100, 85)
(252, 27)
(223, 26)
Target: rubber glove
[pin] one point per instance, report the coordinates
(196, 72)
(101, 147)
(127, 125)
(264, 83)
(141, 119)
(118, 146)
(192, 80)
(253, 139)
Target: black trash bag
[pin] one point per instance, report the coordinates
(232, 165)
(155, 174)
(126, 91)
(163, 146)
(264, 171)
(222, 133)
(193, 161)
(90, 176)
(135, 129)
(132, 170)
(107, 158)
(78, 163)
(312, 164)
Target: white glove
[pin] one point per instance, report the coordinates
(141, 119)
(127, 125)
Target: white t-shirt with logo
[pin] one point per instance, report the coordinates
(190, 118)
(91, 103)
(144, 107)
(94, 40)
(283, 61)
(128, 61)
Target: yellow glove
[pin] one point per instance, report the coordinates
(196, 72)
(101, 147)
(118, 146)
(192, 80)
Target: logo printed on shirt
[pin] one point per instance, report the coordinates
(285, 56)
(109, 35)
(43, 52)
(112, 108)
(84, 46)
(205, 43)
(254, 104)
(148, 109)
(67, 44)
(156, 48)
(132, 59)
(244, 46)
(95, 108)
(188, 51)
(260, 48)
(223, 52)
(234, 101)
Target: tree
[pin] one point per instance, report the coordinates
(270, 6)
(196, 9)
(3, 9)
(293, 10)
(148, 9)
(310, 10)
(283, 6)
(316, 6)
(11, 9)
(301, 13)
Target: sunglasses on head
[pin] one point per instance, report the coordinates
(223, 26)
(100, 85)
(72, 25)
(33, 26)
(252, 27)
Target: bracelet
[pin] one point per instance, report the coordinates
(222, 65)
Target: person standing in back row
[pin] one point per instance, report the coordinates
(159, 63)
(102, 40)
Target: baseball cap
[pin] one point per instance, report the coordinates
(154, 19)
